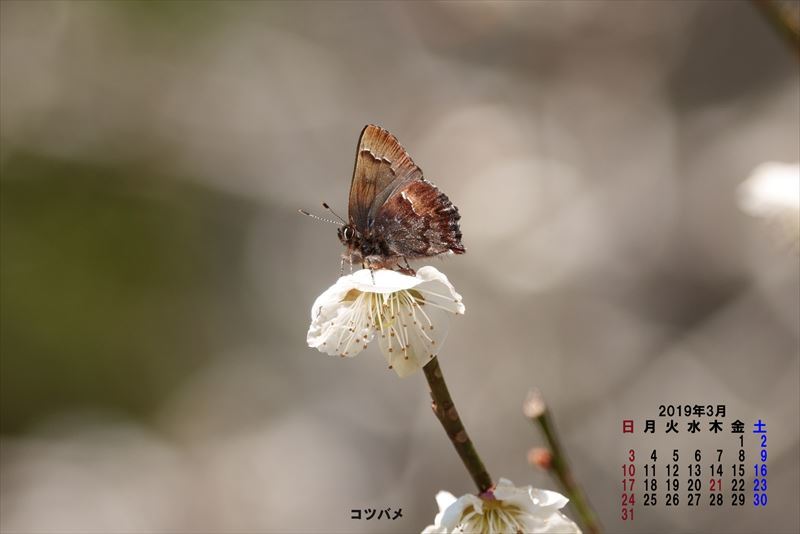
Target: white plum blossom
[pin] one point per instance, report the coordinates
(505, 509)
(772, 192)
(772, 188)
(409, 314)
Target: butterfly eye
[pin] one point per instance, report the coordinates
(348, 233)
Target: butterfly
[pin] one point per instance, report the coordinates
(394, 214)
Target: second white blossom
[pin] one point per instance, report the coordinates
(504, 509)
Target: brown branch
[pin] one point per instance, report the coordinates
(445, 411)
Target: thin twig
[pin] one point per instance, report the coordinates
(445, 410)
(559, 464)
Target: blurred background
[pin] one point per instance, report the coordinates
(157, 279)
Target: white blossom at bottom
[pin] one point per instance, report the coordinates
(410, 315)
(507, 509)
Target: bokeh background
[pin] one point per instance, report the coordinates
(157, 279)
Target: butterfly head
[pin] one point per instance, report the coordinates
(349, 236)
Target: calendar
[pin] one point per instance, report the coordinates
(720, 464)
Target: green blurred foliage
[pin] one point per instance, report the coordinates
(114, 285)
(193, 16)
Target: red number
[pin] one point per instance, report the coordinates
(628, 470)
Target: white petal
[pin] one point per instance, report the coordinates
(411, 343)
(417, 332)
(444, 499)
(503, 486)
(452, 516)
(339, 326)
(529, 498)
(542, 507)
(772, 188)
(382, 281)
(436, 283)
(331, 296)
(548, 500)
(414, 336)
(402, 363)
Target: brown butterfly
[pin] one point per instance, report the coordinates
(394, 213)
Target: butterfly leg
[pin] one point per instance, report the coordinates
(367, 265)
(407, 269)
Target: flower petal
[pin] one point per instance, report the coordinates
(548, 500)
(414, 335)
(340, 325)
(331, 296)
(451, 517)
(418, 325)
(382, 281)
(545, 502)
(772, 188)
(444, 499)
(434, 283)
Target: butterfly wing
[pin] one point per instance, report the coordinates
(417, 220)
(382, 165)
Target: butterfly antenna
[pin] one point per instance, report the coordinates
(325, 205)
(317, 217)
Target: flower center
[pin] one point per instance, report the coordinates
(402, 320)
(497, 517)
(398, 316)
